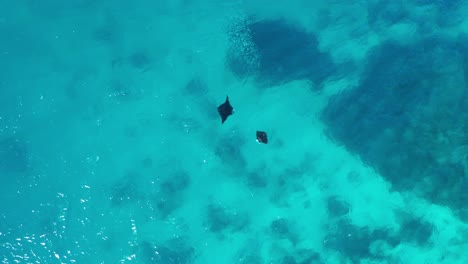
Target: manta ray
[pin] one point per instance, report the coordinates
(225, 110)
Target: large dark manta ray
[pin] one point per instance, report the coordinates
(225, 110)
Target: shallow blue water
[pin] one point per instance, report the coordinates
(112, 149)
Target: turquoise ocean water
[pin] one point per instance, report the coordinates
(112, 149)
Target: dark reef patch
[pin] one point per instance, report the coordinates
(416, 231)
(229, 150)
(170, 197)
(283, 229)
(288, 260)
(462, 45)
(220, 219)
(445, 4)
(177, 182)
(250, 253)
(386, 12)
(302, 256)
(196, 86)
(126, 190)
(277, 51)
(355, 242)
(140, 60)
(174, 251)
(257, 180)
(289, 182)
(14, 155)
(405, 118)
(337, 207)
(109, 32)
(161, 195)
(105, 35)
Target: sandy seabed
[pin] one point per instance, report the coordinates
(112, 151)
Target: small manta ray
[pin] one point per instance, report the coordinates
(225, 110)
(262, 137)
